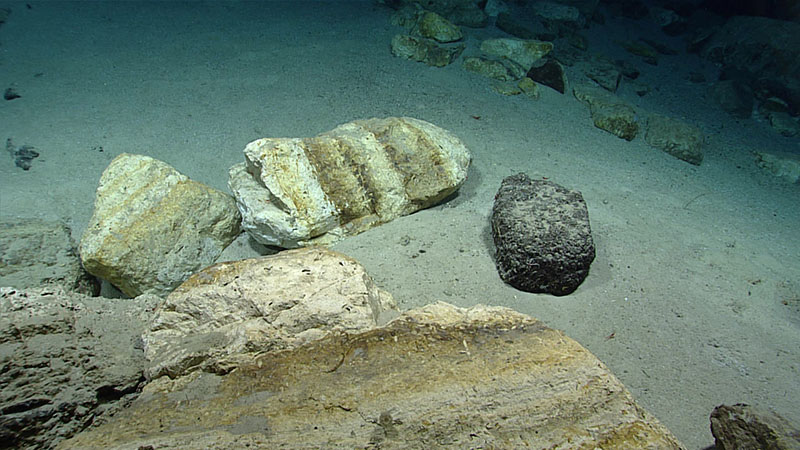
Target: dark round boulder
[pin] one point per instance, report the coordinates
(542, 235)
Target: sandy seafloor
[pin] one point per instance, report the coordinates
(697, 274)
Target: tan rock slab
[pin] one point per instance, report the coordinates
(436, 377)
(153, 227)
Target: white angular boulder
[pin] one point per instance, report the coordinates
(231, 311)
(153, 227)
(295, 191)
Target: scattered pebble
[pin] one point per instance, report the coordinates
(23, 156)
(11, 94)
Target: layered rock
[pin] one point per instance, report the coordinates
(233, 310)
(436, 377)
(542, 236)
(68, 361)
(294, 191)
(35, 253)
(153, 227)
(680, 139)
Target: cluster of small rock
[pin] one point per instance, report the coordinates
(757, 63)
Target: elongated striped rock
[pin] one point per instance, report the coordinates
(295, 191)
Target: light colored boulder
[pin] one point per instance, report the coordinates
(295, 191)
(230, 311)
(436, 377)
(524, 52)
(680, 139)
(152, 227)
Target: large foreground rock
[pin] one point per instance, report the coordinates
(68, 361)
(232, 310)
(436, 377)
(152, 227)
(542, 235)
(292, 191)
(35, 253)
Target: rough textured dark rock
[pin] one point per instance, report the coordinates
(35, 253)
(542, 234)
(744, 426)
(437, 377)
(68, 361)
(550, 73)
